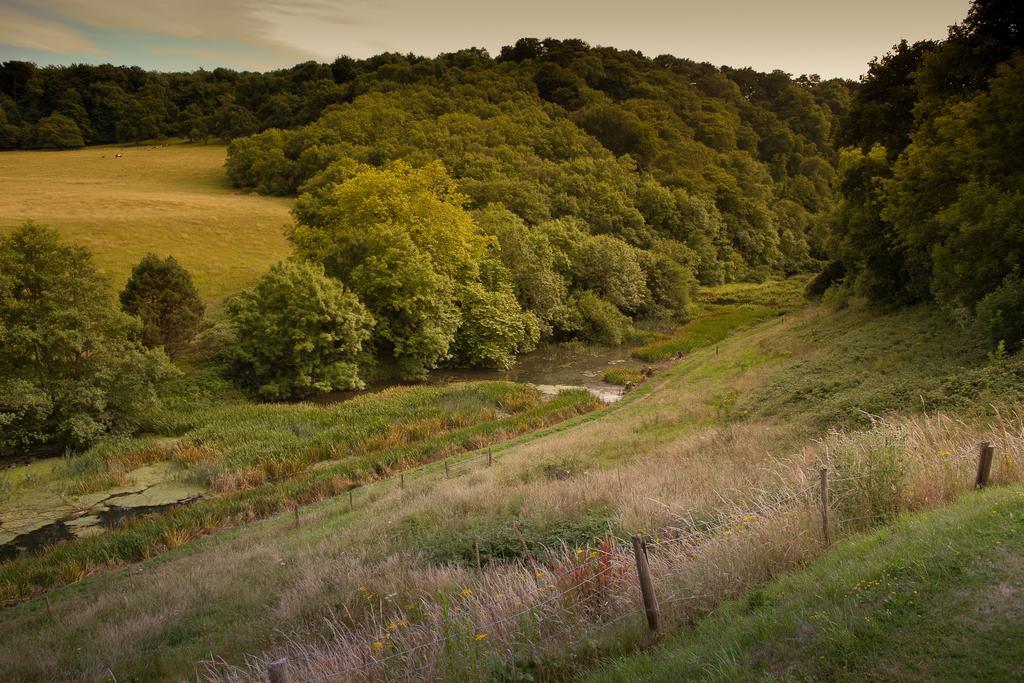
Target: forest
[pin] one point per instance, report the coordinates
(457, 210)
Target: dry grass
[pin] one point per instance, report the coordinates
(173, 200)
(671, 459)
(455, 623)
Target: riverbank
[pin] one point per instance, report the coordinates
(707, 436)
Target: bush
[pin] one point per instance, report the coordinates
(71, 368)
(599, 321)
(1000, 314)
(58, 132)
(162, 296)
(832, 274)
(494, 328)
(298, 332)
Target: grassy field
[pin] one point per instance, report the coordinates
(935, 597)
(258, 459)
(715, 434)
(172, 200)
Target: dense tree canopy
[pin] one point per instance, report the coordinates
(161, 294)
(298, 333)
(71, 366)
(938, 213)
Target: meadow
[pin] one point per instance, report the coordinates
(721, 435)
(894, 604)
(172, 199)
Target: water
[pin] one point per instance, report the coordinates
(42, 516)
(551, 368)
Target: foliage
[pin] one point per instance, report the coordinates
(1000, 314)
(162, 296)
(402, 240)
(58, 132)
(298, 333)
(71, 368)
(494, 328)
(596, 320)
(936, 214)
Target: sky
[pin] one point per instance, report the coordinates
(798, 36)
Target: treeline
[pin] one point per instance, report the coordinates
(458, 209)
(724, 169)
(592, 188)
(58, 107)
(931, 183)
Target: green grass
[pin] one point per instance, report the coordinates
(842, 368)
(172, 200)
(933, 597)
(353, 443)
(622, 376)
(705, 330)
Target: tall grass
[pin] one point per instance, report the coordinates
(551, 618)
(705, 330)
(240, 445)
(385, 450)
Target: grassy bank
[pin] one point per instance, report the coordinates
(263, 457)
(173, 200)
(678, 451)
(934, 597)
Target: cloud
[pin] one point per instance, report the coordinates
(22, 29)
(246, 22)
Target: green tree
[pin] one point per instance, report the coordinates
(58, 131)
(957, 192)
(298, 333)
(493, 327)
(161, 294)
(403, 241)
(71, 366)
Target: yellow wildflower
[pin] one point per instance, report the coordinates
(481, 636)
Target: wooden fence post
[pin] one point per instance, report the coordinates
(476, 547)
(490, 456)
(277, 671)
(296, 515)
(446, 474)
(643, 571)
(350, 500)
(401, 479)
(984, 465)
(824, 506)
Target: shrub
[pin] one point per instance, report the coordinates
(494, 328)
(298, 333)
(58, 132)
(162, 296)
(1000, 314)
(599, 321)
(71, 368)
(831, 275)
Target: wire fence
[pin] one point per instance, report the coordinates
(674, 550)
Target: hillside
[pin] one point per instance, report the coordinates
(935, 596)
(170, 199)
(437, 354)
(725, 430)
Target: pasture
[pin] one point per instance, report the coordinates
(171, 199)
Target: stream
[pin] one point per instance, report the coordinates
(48, 516)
